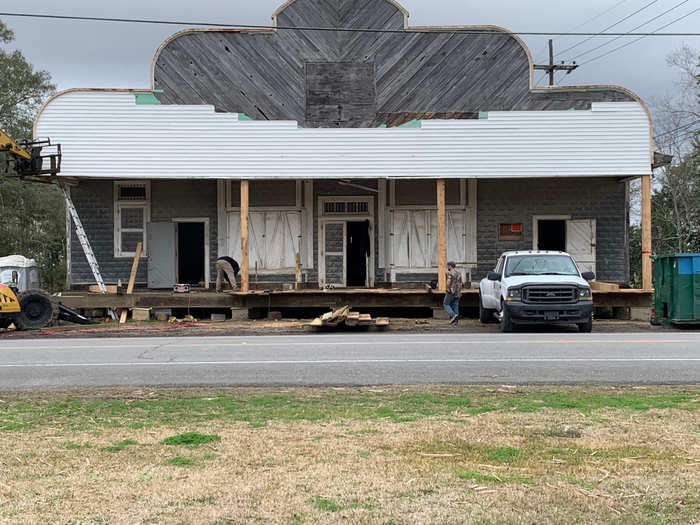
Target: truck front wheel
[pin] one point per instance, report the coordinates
(586, 327)
(506, 322)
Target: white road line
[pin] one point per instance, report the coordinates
(348, 362)
(159, 343)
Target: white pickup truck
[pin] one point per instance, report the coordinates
(536, 287)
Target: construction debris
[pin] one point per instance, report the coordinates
(345, 317)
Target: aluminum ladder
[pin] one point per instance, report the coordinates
(85, 243)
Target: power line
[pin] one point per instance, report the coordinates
(641, 37)
(609, 27)
(337, 29)
(591, 20)
(679, 128)
(632, 30)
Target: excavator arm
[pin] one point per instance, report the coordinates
(27, 158)
(9, 146)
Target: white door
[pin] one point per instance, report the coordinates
(581, 242)
(332, 253)
(162, 272)
(456, 236)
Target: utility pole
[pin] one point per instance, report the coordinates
(552, 67)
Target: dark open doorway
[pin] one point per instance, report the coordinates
(551, 235)
(358, 249)
(190, 252)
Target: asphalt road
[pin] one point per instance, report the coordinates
(353, 359)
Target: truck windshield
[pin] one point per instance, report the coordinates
(540, 265)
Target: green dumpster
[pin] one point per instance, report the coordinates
(677, 288)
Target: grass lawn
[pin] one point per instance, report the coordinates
(371, 455)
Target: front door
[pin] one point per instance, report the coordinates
(333, 253)
(357, 253)
(191, 253)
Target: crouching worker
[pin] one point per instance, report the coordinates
(227, 268)
(453, 292)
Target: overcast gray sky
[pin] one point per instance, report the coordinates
(104, 54)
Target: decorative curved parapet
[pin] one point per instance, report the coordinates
(357, 79)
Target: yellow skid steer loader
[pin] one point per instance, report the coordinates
(30, 309)
(27, 310)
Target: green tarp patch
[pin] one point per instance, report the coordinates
(412, 124)
(146, 99)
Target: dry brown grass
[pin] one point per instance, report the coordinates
(626, 467)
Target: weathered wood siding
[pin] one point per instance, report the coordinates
(353, 79)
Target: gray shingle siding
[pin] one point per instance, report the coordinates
(517, 201)
(499, 201)
(94, 202)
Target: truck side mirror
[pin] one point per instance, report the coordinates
(493, 276)
(589, 276)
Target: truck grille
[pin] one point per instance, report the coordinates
(550, 295)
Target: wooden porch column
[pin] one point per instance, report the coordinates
(646, 233)
(245, 274)
(441, 241)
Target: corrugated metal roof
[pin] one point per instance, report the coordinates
(106, 134)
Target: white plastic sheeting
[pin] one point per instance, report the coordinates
(107, 135)
(414, 238)
(274, 238)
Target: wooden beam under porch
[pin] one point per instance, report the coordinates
(275, 299)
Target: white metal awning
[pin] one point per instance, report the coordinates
(107, 135)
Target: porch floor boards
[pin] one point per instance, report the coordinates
(355, 297)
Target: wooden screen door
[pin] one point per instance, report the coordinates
(333, 253)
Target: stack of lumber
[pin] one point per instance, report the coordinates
(348, 318)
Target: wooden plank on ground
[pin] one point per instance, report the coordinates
(365, 320)
(132, 279)
(111, 288)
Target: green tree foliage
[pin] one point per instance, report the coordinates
(676, 207)
(32, 216)
(675, 199)
(635, 255)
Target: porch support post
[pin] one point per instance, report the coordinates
(441, 241)
(245, 274)
(646, 233)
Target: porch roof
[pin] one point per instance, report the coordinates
(111, 134)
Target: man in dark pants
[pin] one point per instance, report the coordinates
(453, 292)
(227, 268)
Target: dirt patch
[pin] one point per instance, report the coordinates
(299, 326)
(394, 455)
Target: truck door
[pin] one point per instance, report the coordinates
(492, 289)
(581, 242)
